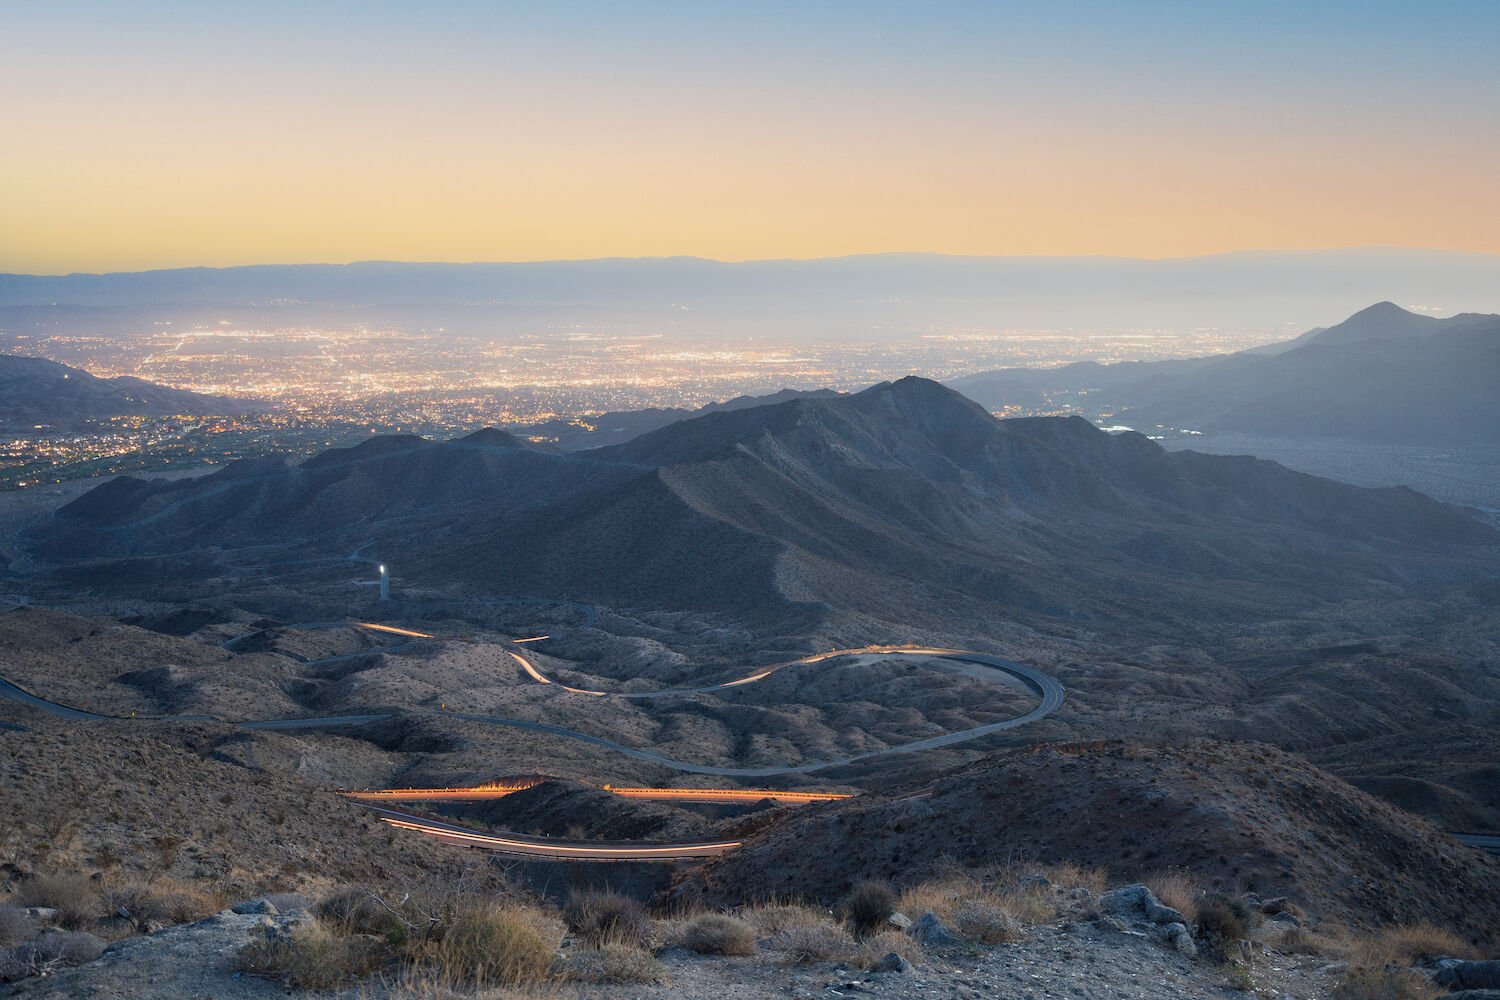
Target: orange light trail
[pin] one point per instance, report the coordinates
(602, 852)
(499, 790)
(393, 630)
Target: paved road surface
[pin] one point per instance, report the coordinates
(555, 850)
(1483, 841)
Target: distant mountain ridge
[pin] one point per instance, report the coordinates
(615, 427)
(1384, 374)
(37, 391)
(879, 295)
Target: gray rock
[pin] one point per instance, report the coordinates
(1179, 937)
(931, 932)
(1474, 995)
(41, 913)
(1283, 919)
(899, 920)
(1468, 975)
(892, 962)
(1136, 903)
(255, 906)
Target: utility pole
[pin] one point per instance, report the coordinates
(385, 583)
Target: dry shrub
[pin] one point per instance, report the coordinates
(440, 941)
(482, 944)
(358, 910)
(314, 955)
(612, 963)
(1222, 923)
(868, 906)
(985, 921)
(992, 914)
(719, 934)
(1415, 943)
(1179, 889)
(164, 901)
(774, 918)
(1069, 875)
(601, 918)
(1365, 983)
(51, 950)
(814, 942)
(875, 947)
(15, 925)
(1301, 941)
(74, 897)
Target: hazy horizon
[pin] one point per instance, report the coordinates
(212, 134)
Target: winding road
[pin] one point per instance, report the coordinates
(1049, 691)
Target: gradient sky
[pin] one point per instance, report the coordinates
(160, 134)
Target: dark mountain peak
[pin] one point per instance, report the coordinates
(1382, 321)
(384, 444)
(1380, 310)
(491, 437)
(37, 390)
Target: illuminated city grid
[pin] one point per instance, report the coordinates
(334, 387)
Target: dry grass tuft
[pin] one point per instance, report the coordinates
(771, 919)
(1069, 875)
(482, 944)
(868, 906)
(815, 942)
(1415, 943)
(1383, 984)
(1179, 889)
(990, 913)
(1222, 923)
(601, 918)
(611, 963)
(447, 941)
(986, 921)
(74, 897)
(719, 934)
(875, 947)
(314, 955)
(164, 901)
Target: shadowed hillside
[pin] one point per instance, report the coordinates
(901, 501)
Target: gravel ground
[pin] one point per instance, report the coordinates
(1073, 962)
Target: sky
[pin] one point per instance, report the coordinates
(166, 134)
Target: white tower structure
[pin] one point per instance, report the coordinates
(385, 583)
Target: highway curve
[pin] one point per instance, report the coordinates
(555, 849)
(980, 665)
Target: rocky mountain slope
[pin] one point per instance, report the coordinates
(1241, 815)
(37, 391)
(905, 500)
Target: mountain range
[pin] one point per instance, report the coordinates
(1383, 375)
(37, 391)
(904, 502)
(879, 296)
